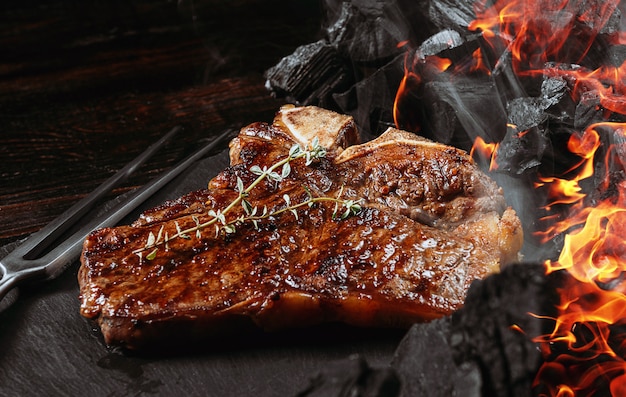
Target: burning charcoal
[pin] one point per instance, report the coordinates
(368, 31)
(309, 75)
(454, 14)
(439, 42)
(559, 105)
(528, 112)
(523, 147)
(480, 350)
(588, 110)
(525, 113)
(522, 153)
(352, 378)
(610, 174)
(592, 15)
(442, 105)
(448, 44)
(618, 144)
(552, 91)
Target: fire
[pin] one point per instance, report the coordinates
(478, 62)
(419, 70)
(538, 31)
(585, 354)
(568, 191)
(485, 151)
(594, 250)
(593, 304)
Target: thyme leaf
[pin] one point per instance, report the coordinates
(276, 173)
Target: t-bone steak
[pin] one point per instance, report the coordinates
(430, 223)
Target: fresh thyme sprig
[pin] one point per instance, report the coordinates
(252, 213)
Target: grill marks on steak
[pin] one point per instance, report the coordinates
(431, 223)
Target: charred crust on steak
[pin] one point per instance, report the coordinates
(431, 223)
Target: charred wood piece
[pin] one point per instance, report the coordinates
(368, 31)
(454, 14)
(310, 75)
(439, 42)
(464, 98)
(522, 153)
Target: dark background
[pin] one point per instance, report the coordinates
(85, 86)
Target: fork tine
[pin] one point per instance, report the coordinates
(68, 251)
(16, 267)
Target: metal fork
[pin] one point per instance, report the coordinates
(25, 264)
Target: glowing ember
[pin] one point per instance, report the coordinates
(585, 354)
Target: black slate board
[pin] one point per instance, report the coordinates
(47, 348)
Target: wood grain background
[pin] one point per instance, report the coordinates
(86, 86)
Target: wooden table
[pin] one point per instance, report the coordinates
(84, 88)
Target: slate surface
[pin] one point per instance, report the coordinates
(47, 348)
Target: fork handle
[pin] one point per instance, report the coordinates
(8, 280)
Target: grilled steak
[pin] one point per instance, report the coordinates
(430, 223)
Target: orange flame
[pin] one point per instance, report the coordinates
(606, 82)
(594, 253)
(416, 70)
(538, 31)
(440, 63)
(485, 151)
(532, 34)
(568, 190)
(584, 353)
(479, 64)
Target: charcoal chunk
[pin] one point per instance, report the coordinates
(439, 42)
(480, 350)
(467, 97)
(522, 153)
(310, 75)
(455, 14)
(553, 91)
(588, 110)
(368, 31)
(425, 362)
(525, 113)
(486, 331)
(591, 14)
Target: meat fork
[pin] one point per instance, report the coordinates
(25, 263)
